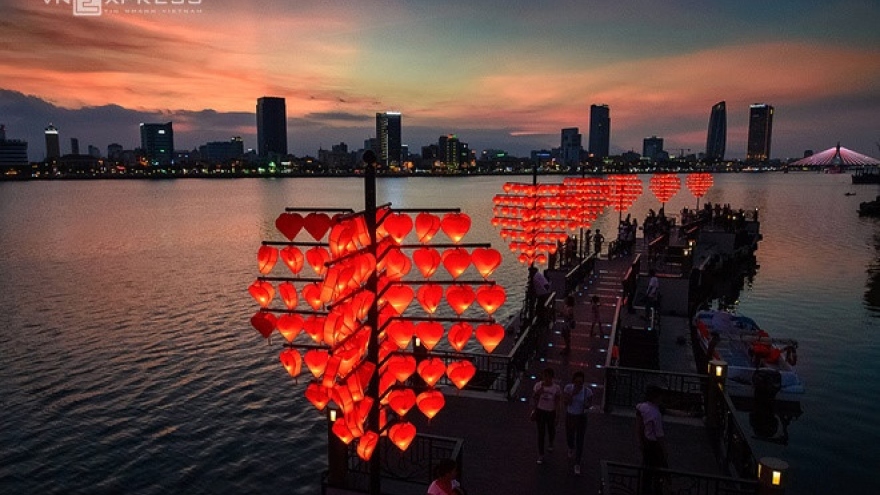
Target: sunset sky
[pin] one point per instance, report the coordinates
(506, 74)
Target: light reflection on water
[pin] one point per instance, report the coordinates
(128, 364)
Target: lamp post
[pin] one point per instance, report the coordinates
(772, 476)
(717, 370)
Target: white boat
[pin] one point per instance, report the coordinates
(746, 348)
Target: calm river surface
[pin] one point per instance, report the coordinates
(128, 363)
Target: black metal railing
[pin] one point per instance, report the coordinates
(627, 479)
(414, 466)
(577, 274)
(731, 442)
(625, 387)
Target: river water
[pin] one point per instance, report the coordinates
(128, 363)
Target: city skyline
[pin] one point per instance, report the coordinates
(476, 69)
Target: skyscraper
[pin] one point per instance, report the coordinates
(271, 126)
(652, 148)
(388, 135)
(74, 146)
(571, 146)
(716, 140)
(157, 143)
(53, 146)
(13, 152)
(600, 131)
(760, 132)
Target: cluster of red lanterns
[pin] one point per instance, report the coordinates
(699, 184)
(665, 186)
(324, 318)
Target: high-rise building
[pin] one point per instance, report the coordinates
(53, 146)
(600, 131)
(652, 148)
(388, 136)
(572, 147)
(13, 152)
(716, 140)
(271, 126)
(114, 152)
(157, 143)
(760, 132)
(74, 146)
(222, 151)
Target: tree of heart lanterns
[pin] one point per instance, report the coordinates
(587, 198)
(665, 186)
(699, 184)
(623, 191)
(532, 219)
(353, 321)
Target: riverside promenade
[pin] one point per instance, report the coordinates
(500, 442)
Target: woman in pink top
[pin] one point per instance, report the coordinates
(546, 397)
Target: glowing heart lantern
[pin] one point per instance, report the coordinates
(486, 261)
(431, 370)
(398, 226)
(292, 361)
(293, 258)
(430, 402)
(402, 435)
(264, 323)
(461, 372)
(490, 336)
(427, 260)
(287, 291)
(401, 401)
(401, 332)
(586, 198)
(366, 445)
(289, 326)
(262, 292)
(430, 296)
(455, 226)
(427, 226)
(460, 297)
(429, 333)
(459, 335)
(699, 184)
(623, 191)
(665, 186)
(456, 261)
(316, 224)
(317, 259)
(289, 224)
(491, 297)
(267, 256)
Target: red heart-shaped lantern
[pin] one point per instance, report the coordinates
(318, 395)
(317, 258)
(267, 256)
(459, 335)
(340, 429)
(431, 370)
(289, 326)
(396, 264)
(293, 258)
(289, 224)
(456, 261)
(486, 260)
(491, 297)
(398, 226)
(401, 332)
(366, 445)
(287, 291)
(429, 333)
(460, 297)
(262, 292)
(430, 402)
(312, 295)
(490, 336)
(429, 296)
(314, 327)
(264, 323)
(402, 434)
(316, 361)
(317, 224)
(399, 296)
(455, 226)
(460, 373)
(292, 361)
(401, 367)
(427, 226)
(427, 260)
(401, 401)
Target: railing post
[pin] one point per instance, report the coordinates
(772, 476)
(715, 390)
(337, 454)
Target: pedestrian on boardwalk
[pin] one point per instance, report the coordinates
(444, 479)
(578, 400)
(547, 397)
(596, 318)
(649, 427)
(541, 290)
(598, 239)
(568, 323)
(652, 295)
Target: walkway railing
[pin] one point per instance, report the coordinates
(625, 387)
(627, 479)
(731, 442)
(414, 466)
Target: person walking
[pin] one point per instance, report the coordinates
(596, 318)
(547, 396)
(445, 482)
(578, 400)
(652, 295)
(598, 239)
(568, 323)
(652, 440)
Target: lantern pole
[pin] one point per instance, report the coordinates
(373, 314)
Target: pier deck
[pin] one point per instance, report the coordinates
(500, 449)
